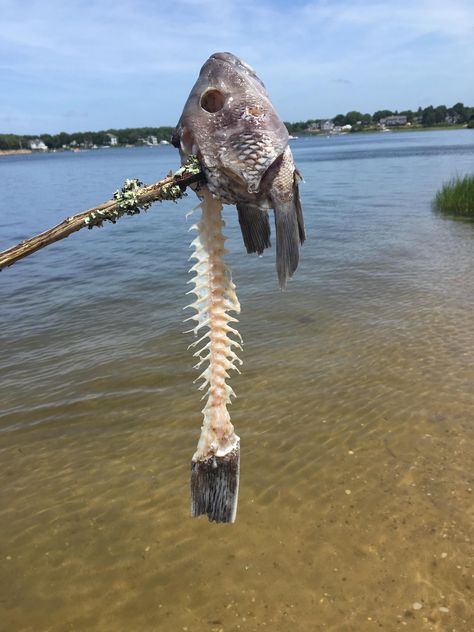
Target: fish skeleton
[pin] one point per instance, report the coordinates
(216, 462)
(229, 123)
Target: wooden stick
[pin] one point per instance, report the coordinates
(128, 201)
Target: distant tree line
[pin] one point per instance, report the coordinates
(430, 116)
(128, 136)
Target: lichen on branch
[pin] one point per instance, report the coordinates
(132, 198)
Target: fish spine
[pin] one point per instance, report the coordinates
(215, 298)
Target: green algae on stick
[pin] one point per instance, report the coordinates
(127, 201)
(215, 466)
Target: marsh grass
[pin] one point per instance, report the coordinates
(456, 197)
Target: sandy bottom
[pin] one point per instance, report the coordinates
(356, 499)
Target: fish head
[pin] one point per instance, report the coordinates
(229, 122)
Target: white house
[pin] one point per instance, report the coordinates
(113, 139)
(327, 126)
(37, 145)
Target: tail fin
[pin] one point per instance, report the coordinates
(215, 486)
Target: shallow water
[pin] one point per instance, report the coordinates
(355, 407)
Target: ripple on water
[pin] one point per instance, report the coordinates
(358, 379)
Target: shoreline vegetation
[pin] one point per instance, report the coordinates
(440, 118)
(77, 141)
(456, 198)
(86, 147)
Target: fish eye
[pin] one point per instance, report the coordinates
(212, 100)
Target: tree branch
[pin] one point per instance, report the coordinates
(132, 198)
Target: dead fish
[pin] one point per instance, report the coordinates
(229, 122)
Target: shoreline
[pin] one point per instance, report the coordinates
(23, 152)
(446, 128)
(14, 152)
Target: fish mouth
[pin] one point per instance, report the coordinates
(234, 60)
(228, 57)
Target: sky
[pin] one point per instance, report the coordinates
(77, 65)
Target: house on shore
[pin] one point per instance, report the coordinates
(149, 141)
(327, 126)
(394, 120)
(313, 127)
(37, 145)
(113, 140)
(452, 119)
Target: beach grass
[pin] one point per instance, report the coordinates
(456, 197)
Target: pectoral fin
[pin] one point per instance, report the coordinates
(255, 227)
(290, 233)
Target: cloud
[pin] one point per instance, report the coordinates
(138, 59)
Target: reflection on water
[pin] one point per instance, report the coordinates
(355, 406)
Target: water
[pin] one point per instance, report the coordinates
(355, 408)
